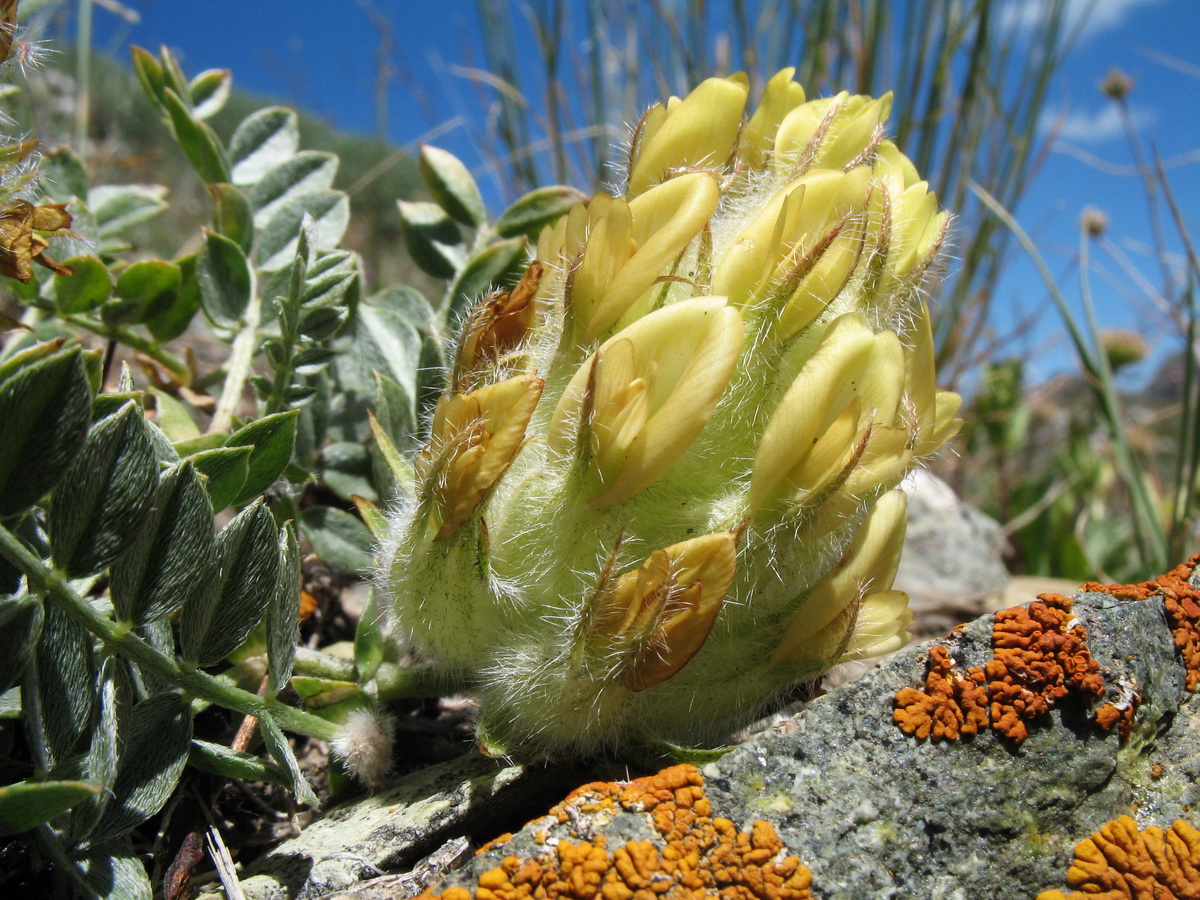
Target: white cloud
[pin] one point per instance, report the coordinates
(1095, 127)
(1093, 16)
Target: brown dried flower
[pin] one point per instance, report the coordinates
(21, 246)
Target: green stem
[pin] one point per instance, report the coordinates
(135, 342)
(405, 682)
(392, 681)
(83, 71)
(221, 760)
(283, 377)
(316, 664)
(1148, 524)
(129, 645)
(241, 355)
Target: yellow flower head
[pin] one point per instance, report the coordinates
(661, 485)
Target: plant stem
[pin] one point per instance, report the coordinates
(241, 355)
(392, 681)
(405, 682)
(135, 342)
(83, 67)
(128, 644)
(1148, 528)
(316, 664)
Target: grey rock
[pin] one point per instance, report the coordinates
(876, 813)
(951, 569)
(872, 811)
(394, 828)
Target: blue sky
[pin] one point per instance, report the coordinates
(320, 54)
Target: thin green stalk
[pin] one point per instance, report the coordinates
(129, 645)
(135, 342)
(316, 664)
(395, 682)
(237, 370)
(1188, 449)
(392, 681)
(1187, 463)
(1150, 188)
(1148, 531)
(83, 73)
(1147, 524)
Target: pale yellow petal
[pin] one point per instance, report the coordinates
(749, 265)
(884, 461)
(855, 131)
(891, 164)
(821, 286)
(647, 128)
(944, 423)
(881, 625)
(608, 247)
(883, 383)
(829, 456)
(801, 127)
(780, 97)
(698, 131)
(664, 220)
(620, 406)
(869, 565)
(687, 352)
(818, 395)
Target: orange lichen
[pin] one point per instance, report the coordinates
(1111, 714)
(1039, 659)
(1121, 861)
(699, 855)
(1156, 771)
(1181, 600)
(949, 706)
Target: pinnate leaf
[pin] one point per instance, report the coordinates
(216, 622)
(103, 498)
(173, 555)
(273, 438)
(45, 408)
(451, 185)
(27, 804)
(153, 755)
(225, 280)
(537, 209)
(261, 142)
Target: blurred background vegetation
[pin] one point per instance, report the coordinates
(1088, 481)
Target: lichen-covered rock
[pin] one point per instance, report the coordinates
(687, 852)
(394, 828)
(1040, 660)
(873, 812)
(839, 792)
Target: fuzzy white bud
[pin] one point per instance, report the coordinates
(365, 745)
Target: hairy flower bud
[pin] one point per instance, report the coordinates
(661, 486)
